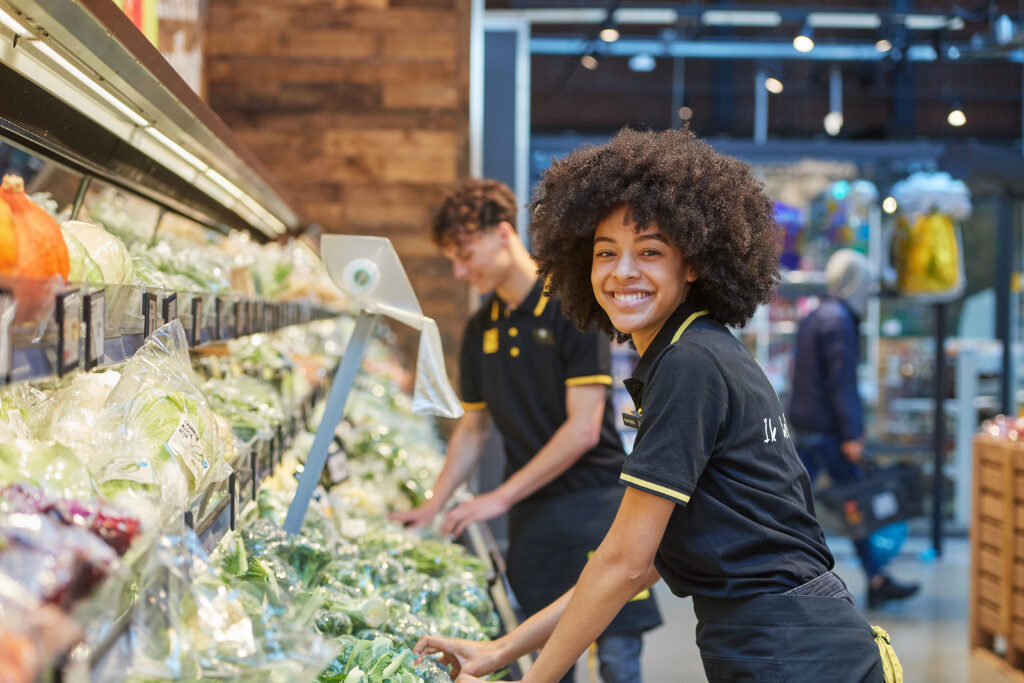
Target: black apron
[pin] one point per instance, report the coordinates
(550, 541)
(787, 638)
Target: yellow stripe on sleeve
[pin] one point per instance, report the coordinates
(589, 379)
(481, 405)
(657, 488)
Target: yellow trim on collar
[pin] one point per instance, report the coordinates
(494, 311)
(589, 379)
(480, 405)
(682, 328)
(541, 304)
(657, 488)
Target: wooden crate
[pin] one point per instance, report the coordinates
(993, 542)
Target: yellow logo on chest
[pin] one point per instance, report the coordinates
(490, 340)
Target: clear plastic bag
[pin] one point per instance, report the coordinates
(197, 622)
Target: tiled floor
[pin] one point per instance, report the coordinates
(929, 631)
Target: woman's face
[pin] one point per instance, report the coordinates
(639, 279)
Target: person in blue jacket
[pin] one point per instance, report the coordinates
(825, 410)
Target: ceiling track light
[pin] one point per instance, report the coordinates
(804, 41)
(609, 34)
(773, 85)
(956, 117)
(589, 61)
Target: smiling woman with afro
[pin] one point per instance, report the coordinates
(709, 205)
(656, 236)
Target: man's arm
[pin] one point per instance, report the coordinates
(839, 347)
(580, 432)
(464, 449)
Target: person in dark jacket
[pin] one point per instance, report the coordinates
(825, 410)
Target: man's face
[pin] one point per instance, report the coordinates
(480, 258)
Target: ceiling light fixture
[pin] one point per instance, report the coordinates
(12, 23)
(883, 45)
(889, 205)
(731, 17)
(642, 62)
(833, 123)
(804, 41)
(589, 62)
(609, 35)
(956, 117)
(773, 85)
(843, 20)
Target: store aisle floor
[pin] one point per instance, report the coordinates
(929, 631)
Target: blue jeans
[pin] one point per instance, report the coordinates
(619, 658)
(822, 452)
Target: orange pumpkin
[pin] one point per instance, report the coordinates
(8, 241)
(41, 252)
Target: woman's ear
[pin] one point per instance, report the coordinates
(507, 231)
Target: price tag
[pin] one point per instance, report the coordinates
(218, 325)
(69, 330)
(149, 314)
(197, 320)
(6, 342)
(240, 319)
(170, 309)
(95, 310)
(337, 467)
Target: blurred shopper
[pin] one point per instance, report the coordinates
(825, 410)
(546, 385)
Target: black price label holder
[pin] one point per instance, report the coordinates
(170, 307)
(149, 314)
(197, 320)
(94, 308)
(69, 330)
(218, 325)
(6, 338)
(240, 318)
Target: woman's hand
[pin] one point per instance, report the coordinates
(466, 657)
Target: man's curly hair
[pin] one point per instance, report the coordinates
(472, 206)
(707, 204)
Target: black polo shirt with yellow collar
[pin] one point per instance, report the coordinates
(518, 363)
(713, 439)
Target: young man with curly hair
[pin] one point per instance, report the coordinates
(657, 238)
(546, 386)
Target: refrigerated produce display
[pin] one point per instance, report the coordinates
(165, 355)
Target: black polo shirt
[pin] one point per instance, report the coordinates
(518, 363)
(713, 438)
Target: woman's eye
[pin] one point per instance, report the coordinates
(650, 252)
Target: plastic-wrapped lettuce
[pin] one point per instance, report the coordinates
(50, 466)
(253, 407)
(198, 622)
(156, 441)
(96, 255)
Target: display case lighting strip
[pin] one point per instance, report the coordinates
(11, 23)
(176, 148)
(91, 84)
(110, 108)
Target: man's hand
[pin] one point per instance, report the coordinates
(853, 451)
(417, 517)
(466, 657)
(483, 507)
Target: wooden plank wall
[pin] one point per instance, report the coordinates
(359, 109)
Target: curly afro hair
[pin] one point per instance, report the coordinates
(472, 206)
(707, 204)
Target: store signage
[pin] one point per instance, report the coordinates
(95, 310)
(69, 330)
